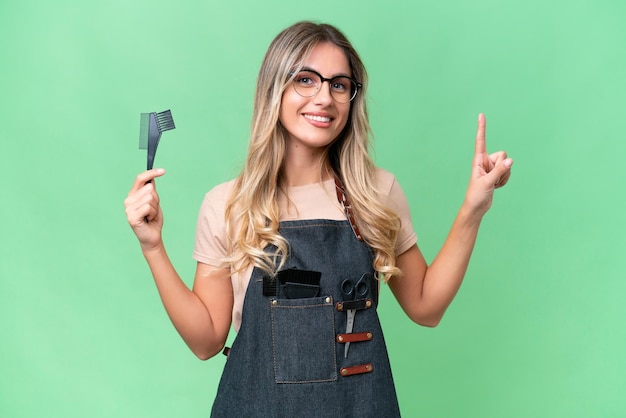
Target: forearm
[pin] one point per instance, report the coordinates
(444, 276)
(191, 318)
(426, 292)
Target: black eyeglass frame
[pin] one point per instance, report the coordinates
(358, 85)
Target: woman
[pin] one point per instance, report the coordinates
(292, 251)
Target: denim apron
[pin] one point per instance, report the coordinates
(288, 358)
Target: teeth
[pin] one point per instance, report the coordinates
(318, 118)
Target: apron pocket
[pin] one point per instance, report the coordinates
(303, 340)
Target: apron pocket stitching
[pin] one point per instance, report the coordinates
(302, 352)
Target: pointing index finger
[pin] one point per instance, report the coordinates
(481, 145)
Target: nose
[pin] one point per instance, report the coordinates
(323, 96)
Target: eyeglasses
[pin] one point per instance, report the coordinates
(343, 89)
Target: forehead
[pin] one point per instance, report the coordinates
(328, 59)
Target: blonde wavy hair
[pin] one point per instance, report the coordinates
(252, 214)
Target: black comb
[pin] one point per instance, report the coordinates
(152, 125)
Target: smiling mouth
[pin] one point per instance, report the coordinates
(325, 119)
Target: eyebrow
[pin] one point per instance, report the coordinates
(332, 76)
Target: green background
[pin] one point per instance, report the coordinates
(537, 329)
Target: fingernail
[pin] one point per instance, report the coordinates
(160, 170)
(508, 162)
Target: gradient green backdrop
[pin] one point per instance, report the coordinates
(537, 329)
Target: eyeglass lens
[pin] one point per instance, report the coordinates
(342, 88)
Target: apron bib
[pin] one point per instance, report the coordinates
(288, 358)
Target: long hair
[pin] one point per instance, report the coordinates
(252, 214)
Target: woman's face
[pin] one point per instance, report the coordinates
(312, 123)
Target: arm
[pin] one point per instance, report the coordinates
(425, 292)
(202, 315)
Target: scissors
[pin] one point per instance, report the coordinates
(351, 291)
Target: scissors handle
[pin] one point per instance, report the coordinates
(351, 289)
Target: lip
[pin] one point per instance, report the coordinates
(320, 119)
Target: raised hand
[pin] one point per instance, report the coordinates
(143, 211)
(489, 172)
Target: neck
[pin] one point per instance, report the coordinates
(300, 172)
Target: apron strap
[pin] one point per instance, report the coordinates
(345, 203)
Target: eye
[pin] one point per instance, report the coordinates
(305, 79)
(341, 84)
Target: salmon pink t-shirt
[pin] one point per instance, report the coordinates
(311, 201)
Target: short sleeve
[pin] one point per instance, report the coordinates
(212, 243)
(396, 200)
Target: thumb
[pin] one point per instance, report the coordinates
(501, 172)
